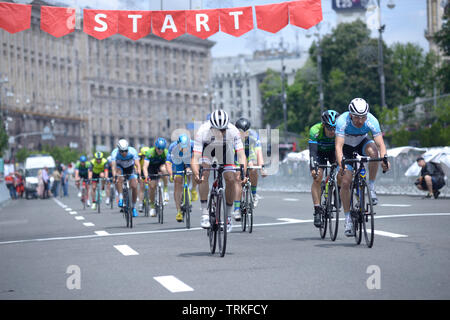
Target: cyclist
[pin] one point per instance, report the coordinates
(213, 137)
(155, 162)
(178, 158)
(82, 172)
(109, 175)
(321, 148)
(124, 159)
(97, 171)
(351, 136)
(141, 155)
(253, 153)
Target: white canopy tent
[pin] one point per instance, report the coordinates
(394, 152)
(298, 156)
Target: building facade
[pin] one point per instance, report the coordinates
(89, 93)
(435, 12)
(236, 81)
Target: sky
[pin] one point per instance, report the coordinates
(405, 23)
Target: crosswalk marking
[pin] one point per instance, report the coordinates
(89, 224)
(79, 218)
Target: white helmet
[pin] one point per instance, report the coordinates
(122, 145)
(358, 107)
(219, 119)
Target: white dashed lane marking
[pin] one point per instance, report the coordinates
(173, 284)
(126, 250)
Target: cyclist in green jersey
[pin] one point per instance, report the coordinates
(321, 149)
(155, 162)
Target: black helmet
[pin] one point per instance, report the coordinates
(243, 124)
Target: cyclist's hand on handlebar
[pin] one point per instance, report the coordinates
(385, 164)
(171, 178)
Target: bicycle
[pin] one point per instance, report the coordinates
(83, 190)
(159, 201)
(186, 205)
(329, 202)
(146, 200)
(98, 193)
(247, 203)
(112, 192)
(217, 208)
(361, 206)
(126, 206)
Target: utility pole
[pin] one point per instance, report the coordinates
(319, 73)
(380, 57)
(283, 91)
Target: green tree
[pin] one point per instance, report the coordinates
(3, 139)
(442, 38)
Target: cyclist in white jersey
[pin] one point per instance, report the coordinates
(219, 139)
(352, 128)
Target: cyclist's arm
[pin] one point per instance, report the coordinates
(137, 164)
(90, 174)
(339, 144)
(242, 159)
(379, 141)
(195, 163)
(313, 149)
(169, 168)
(114, 168)
(145, 169)
(77, 175)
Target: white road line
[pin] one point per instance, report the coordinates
(73, 212)
(101, 233)
(388, 234)
(79, 218)
(293, 220)
(173, 284)
(394, 205)
(59, 203)
(198, 229)
(291, 199)
(89, 224)
(68, 209)
(126, 250)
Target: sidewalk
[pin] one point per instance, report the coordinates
(4, 193)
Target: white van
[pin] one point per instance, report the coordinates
(33, 164)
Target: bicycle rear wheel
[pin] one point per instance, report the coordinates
(250, 208)
(161, 206)
(368, 218)
(333, 210)
(99, 199)
(126, 208)
(222, 219)
(212, 231)
(323, 214)
(355, 212)
(243, 208)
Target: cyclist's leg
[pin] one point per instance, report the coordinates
(230, 178)
(204, 186)
(370, 149)
(162, 169)
(134, 189)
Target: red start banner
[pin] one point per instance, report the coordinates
(168, 25)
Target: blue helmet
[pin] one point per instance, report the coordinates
(184, 141)
(83, 159)
(161, 143)
(329, 118)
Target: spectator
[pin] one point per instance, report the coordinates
(56, 181)
(45, 179)
(65, 180)
(431, 178)
(40, 188)
(11, 185)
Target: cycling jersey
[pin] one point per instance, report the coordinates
(154, 158)
(176, 156)
(207, 143)
(125, 161)
(98, 168)
(83, 170)
(251, 145)
(354, 136)
(317, 136)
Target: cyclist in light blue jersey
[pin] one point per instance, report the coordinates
(352, 130)
(179, 158)
(124, 159)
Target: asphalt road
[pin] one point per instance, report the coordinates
(52, 249)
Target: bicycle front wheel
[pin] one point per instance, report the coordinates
(333, 210)
(250, 208)
(356, 212)
(222, 221)
(368, 218)
(99, 199)
(243, 208)
(187, 208)
(323, 215)
(212, 231)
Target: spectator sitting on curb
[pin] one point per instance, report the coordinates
(431, 178)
